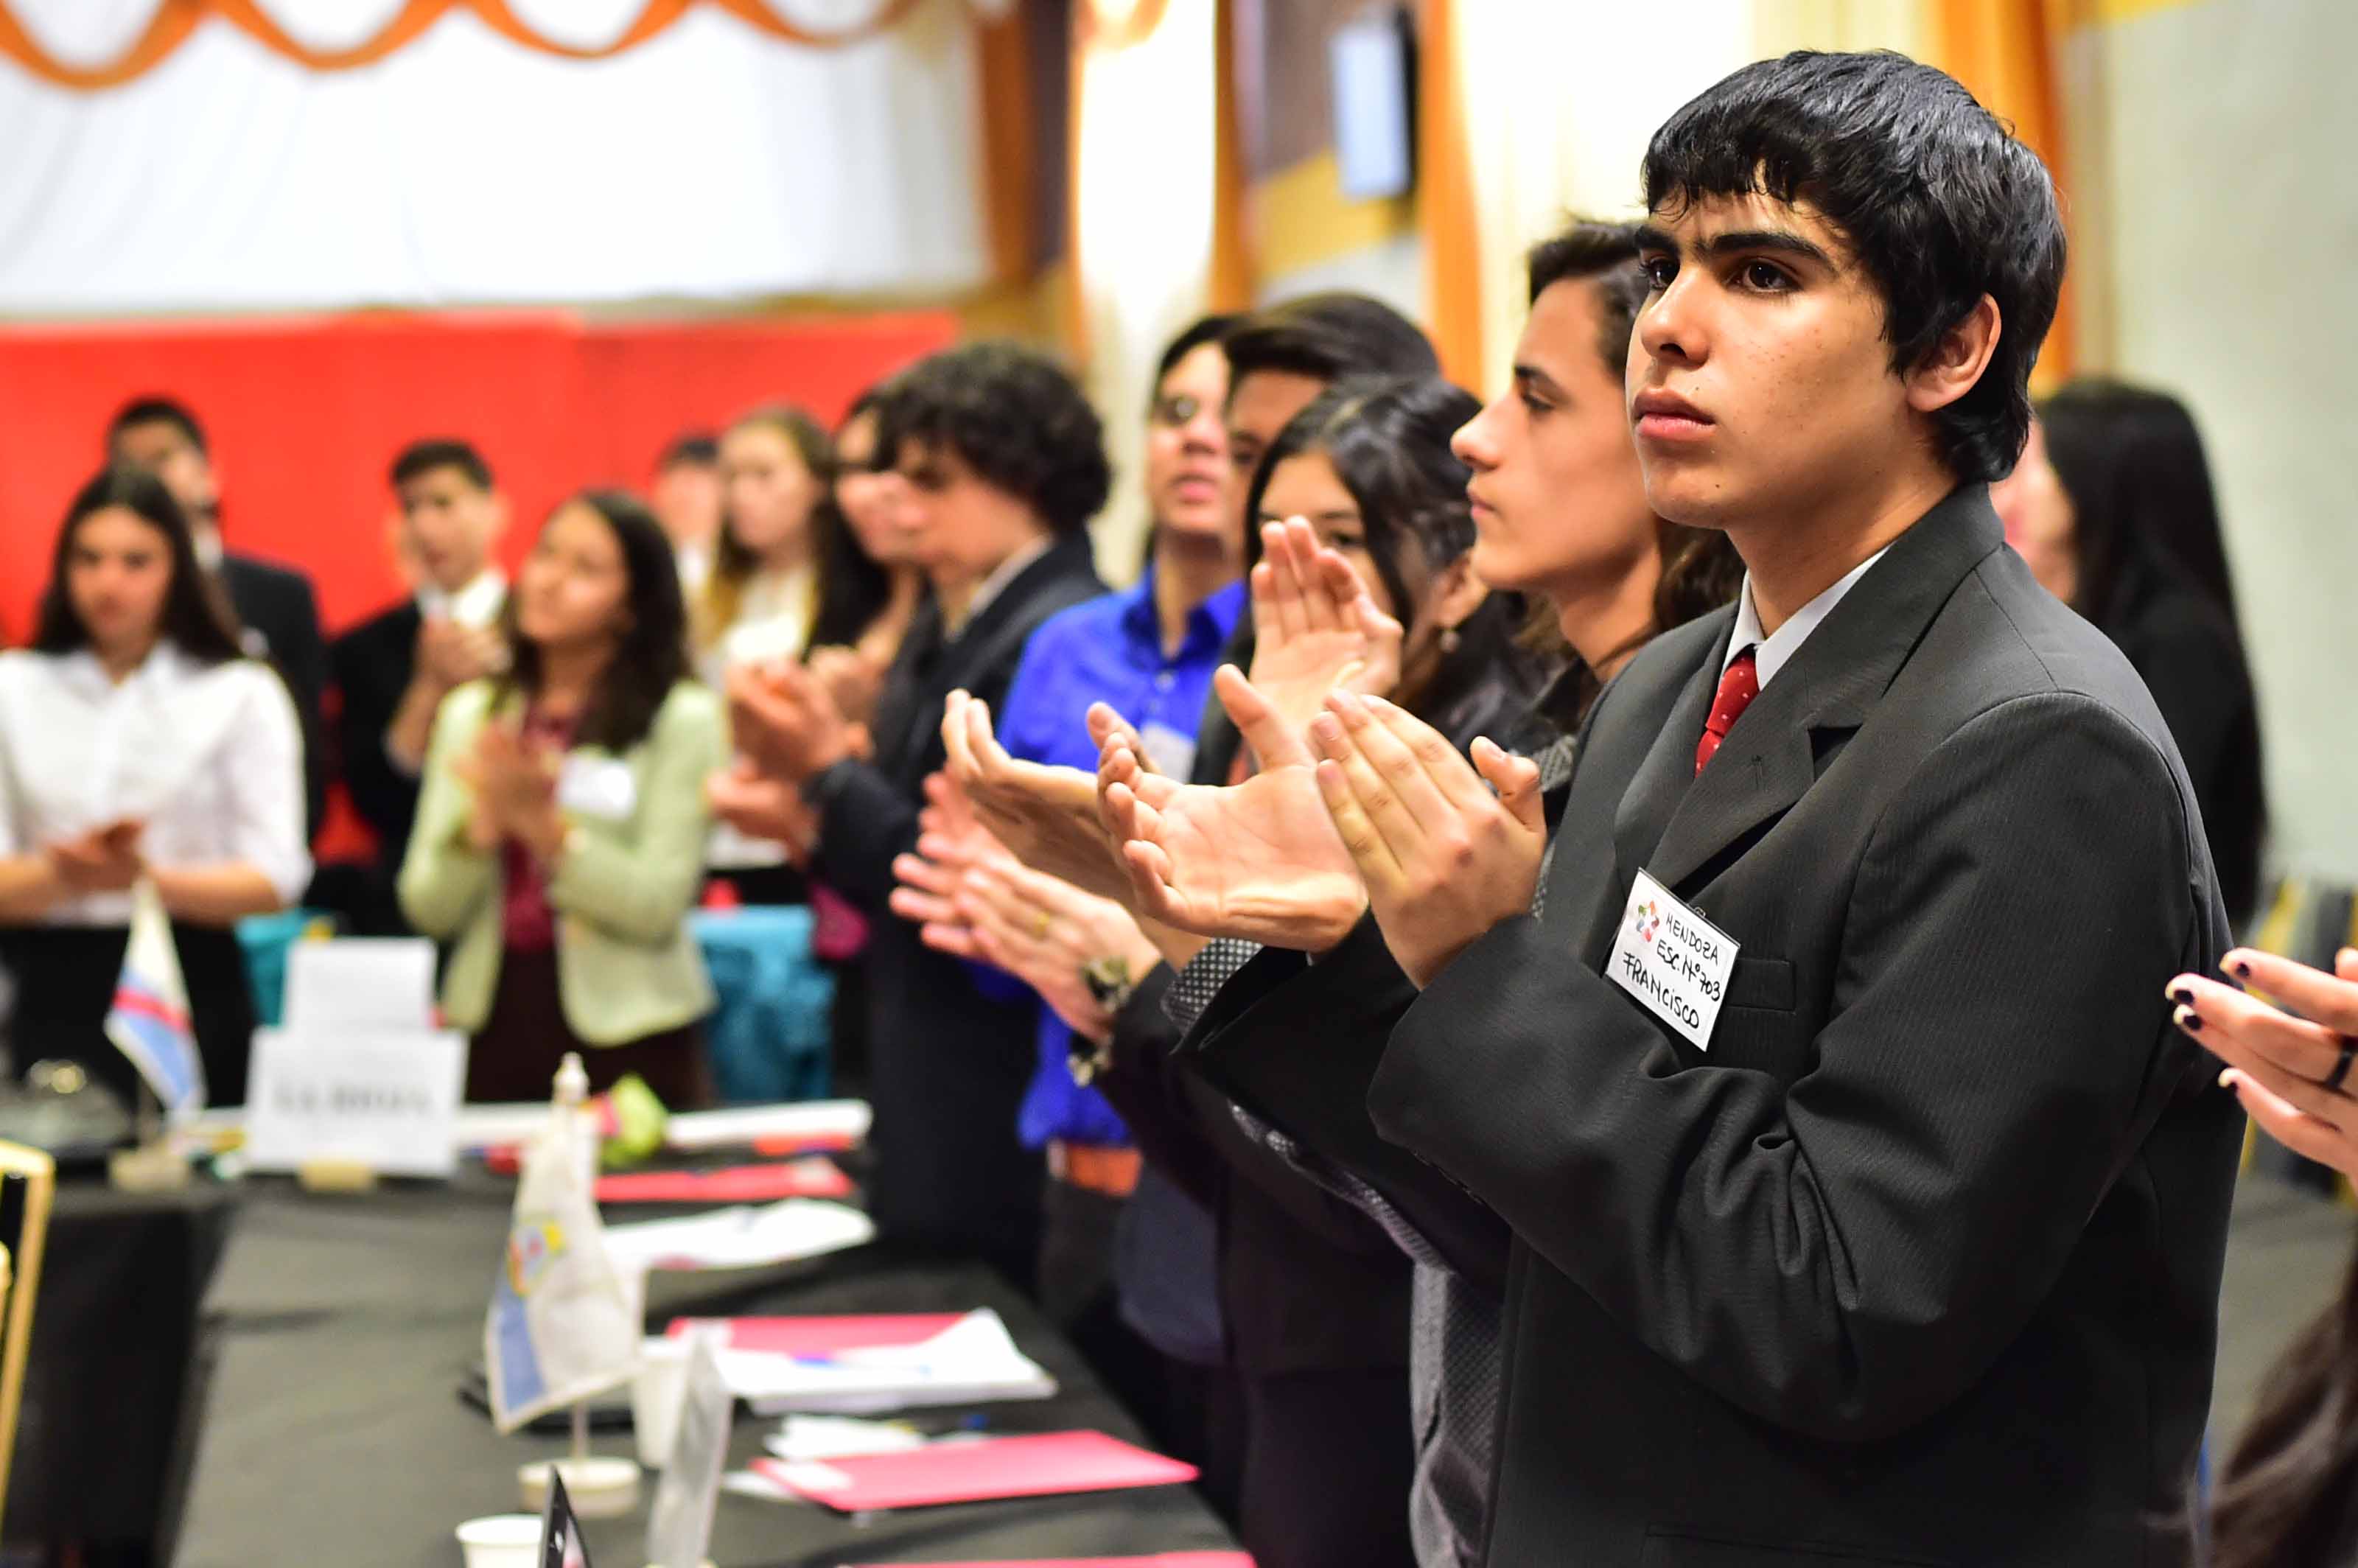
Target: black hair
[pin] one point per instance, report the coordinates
(1939, 203)
(652, 655)
(1701, 571)
(2132, 460)
(2284, 1492)
(1388, 439)
(197, 617)
(1012, 417)
(1202, 330)
(419, 459)
(156, 410)
(1327, 337)
(694, 449)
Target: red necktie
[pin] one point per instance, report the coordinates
(1737, 687)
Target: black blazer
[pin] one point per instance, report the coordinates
(277, 605)
(949, 1065)
(372, 665)
(1918, 1263)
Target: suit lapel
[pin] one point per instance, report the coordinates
(1675, 823)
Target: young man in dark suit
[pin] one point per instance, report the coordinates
(1005, 465)
(1810, 1036)
(275, 604)
(392, 670)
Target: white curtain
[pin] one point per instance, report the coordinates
(714, 162)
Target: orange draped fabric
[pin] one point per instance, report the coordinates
(1230, 286)
(174, 19)
(1445, 203)
(2004, 51)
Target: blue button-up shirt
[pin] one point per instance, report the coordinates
(1107, 650)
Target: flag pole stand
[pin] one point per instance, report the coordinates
(599, 1486)
(152, 1165)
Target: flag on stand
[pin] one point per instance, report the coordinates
(150, 1020)
(564, 1323)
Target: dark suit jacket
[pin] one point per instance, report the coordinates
(276, 603)
(372, 665)
(1918, 1263)
(949, 1065)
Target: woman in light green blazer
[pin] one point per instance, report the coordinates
(561, 826)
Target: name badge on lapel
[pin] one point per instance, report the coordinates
(601, 787)
(1673, 960)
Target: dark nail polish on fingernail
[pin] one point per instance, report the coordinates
(2244, 968)
(2189, 1021)
(2183, 996)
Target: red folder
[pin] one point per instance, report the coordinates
(740, 1184)
(817, 1336)
(1160, 1560)
(1048, 1464)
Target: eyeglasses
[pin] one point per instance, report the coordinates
(1179, 409)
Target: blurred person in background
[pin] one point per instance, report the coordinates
(139, 738)
(2111, 506)
(688, 503)
(277, 614)
(561, 834)
(874, 592)
(392, 670)
(1003, 463)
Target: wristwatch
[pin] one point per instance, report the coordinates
(1110, 986)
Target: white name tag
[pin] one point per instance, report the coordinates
(387, 1099)
(601, 787)
(1673, 960)
(1173, 754)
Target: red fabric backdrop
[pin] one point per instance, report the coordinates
(304, 415)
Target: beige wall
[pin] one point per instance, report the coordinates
(2217, 221)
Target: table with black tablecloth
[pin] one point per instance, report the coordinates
(339, 1330)
(112, 1382)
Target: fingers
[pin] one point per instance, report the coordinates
(1150, 879)
(1379, 670)
(1379, 866)
(947, 936)
(1274, 741)
(2305, 1094)
(1322, 610)
(1399, 797)
(2321, 998)
(1285, 602)
(1260, 595)
(960, 759)
(2305, 1135)
(1107, 726)
(925, 877)
(1517, 780)
(1430, 750)
(2214, 1013)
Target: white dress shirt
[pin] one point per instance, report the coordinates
(476, 606)
(209, 757)
(1770, 654)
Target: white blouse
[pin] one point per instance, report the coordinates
(208, 756)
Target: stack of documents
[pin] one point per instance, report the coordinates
(740, 1237)
(971, 1361)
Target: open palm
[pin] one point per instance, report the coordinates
(1259, 860)
(1314, 627)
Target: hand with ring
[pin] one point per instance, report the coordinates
(2289, 1064)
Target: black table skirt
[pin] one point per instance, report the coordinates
(339, 1332)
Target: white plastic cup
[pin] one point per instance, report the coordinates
(658, 1394)
(501, 1540)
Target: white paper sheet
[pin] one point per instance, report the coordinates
(742, 1237)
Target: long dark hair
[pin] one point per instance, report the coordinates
(1388, 438)
(2132, 462)
(197, 618)
(2283, 1494)
(652, 656)
(1701, 571)
(853, 589)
